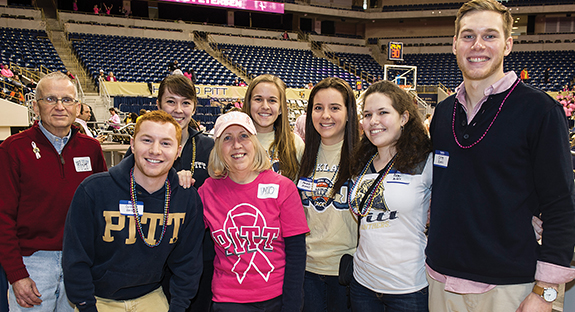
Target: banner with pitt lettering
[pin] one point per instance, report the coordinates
(202, 91)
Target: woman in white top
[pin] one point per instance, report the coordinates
(391, 193)
(265, 103)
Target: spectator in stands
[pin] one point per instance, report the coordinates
(111, 77)
(299, 127)
(40, 169)
(126, 11)
(16, 81)
(285, 35)
(81, 121)
(547, 75)
(242, 83)
(191, 74)
(131, 118)
(108, 9)
(266, 104)
(177, 97)
(501, 157)
(108, 264)
(6, 72)
(96, 9)
(236, 82)
(141, 113)
(114, 121)
(174, 68)
(69, 74)
(525, 74)
(309, 86)
(101, 75)
(427, 122)
(242, 192)
(75, 6)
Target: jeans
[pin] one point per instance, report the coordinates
(323, 293)
(272, 305)
(366, 300)
(45, 269)
(3, 291)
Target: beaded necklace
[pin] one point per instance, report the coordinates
(193, 156)
(135, 209)
(355, 204)
(489, 127)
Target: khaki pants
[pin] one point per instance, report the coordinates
(154, 301)
(504, 298)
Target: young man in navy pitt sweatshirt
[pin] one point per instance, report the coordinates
(124, 227)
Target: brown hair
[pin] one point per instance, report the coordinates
(162, 117)
(485, 5)
(283, 142)
(179, 85)
(413, 145)
(313, 138)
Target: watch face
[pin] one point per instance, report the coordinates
(550, 294)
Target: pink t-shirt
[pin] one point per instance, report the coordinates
(248, 223)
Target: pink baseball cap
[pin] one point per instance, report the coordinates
(234, 118)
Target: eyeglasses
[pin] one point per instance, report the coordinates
(52, 100)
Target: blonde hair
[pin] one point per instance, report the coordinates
(485, 5)
(217, 167)
(283, 142)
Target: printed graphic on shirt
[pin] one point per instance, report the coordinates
(246, 235)
(319, 197)
(151, 226)
(379, 215)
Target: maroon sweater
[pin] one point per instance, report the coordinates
(36, 192)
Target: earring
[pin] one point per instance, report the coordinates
(401, 128)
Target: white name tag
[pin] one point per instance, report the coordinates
(441, 159)
(398, 177)
(126, 207)
(268, 191)
(83, 164)
(305, 184)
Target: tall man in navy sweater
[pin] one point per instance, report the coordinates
(40, 169)
(501, 157)
(126, 226)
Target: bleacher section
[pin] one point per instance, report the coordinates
(442, 68)
(457, 5)
(294, 66)
(205, 113)
(28, 48)
(364, 62)
(135, 59)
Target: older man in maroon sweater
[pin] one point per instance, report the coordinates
(40, 169)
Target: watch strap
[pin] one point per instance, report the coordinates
(538, 290)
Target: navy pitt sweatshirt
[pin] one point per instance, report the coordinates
(104, 254)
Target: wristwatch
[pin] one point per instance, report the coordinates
(548, 294)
